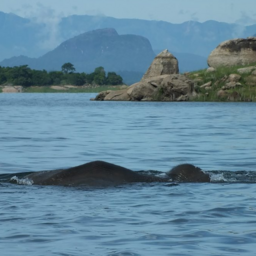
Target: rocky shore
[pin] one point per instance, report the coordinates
(235, 83)
(227, 78)
(161, 82)
(231, 76)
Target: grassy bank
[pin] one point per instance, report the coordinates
(63, 89)
(225, 84)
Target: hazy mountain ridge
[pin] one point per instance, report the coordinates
(19, 36)
(191, 42)
(190, 37)
(103, 47)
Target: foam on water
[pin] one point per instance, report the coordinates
(215, 177)
(23, 181)
(219, 177)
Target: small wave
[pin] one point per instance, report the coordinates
(215, 177)
(24, 181)
(218, 177)
(232, 177)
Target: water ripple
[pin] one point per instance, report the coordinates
(52, 131)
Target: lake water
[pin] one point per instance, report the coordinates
(52, 131)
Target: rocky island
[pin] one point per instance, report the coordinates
(161, 82)
(231, 76)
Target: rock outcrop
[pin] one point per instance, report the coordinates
(174, 87)
(160, 83)
(12, 89)
(163, 64)
(246, 70)
(234, 53)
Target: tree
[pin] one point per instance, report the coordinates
(41, 77)
(114, 79)
(76, 78)
(89, 78)
(56, 77)
(99, 76)
(21, 75)
(3, 78)
(68, 68)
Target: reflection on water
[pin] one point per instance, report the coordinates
(50, 131)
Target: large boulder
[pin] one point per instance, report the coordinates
(174, 87)
(12, 89)
(160, 83)
(233, 53)
(120, 95)
(163, 64)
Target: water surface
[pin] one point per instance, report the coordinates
(51, 131)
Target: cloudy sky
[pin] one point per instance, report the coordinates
(175, 11)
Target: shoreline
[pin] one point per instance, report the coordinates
(224, 84)
(59, 88)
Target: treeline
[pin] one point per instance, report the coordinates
(23, 75)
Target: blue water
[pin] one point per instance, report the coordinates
(52, 131)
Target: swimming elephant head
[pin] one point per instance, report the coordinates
(99, 173)
(188, 173)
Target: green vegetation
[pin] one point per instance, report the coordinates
(26, 77)
(77, 89)
(244, 89)
(68, 68)
(159, 94)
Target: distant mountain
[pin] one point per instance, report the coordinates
(191, 42)
(190, 62)
(19, 36)
(103, 47)
(190, 37)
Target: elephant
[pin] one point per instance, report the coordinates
(100, 173)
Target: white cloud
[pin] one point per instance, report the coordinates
(167, 10)
(49, 35)
(194, 16)
(246, 19)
